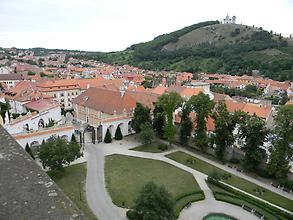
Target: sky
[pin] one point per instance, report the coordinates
(112, 25)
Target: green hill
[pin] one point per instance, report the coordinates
(211, 47)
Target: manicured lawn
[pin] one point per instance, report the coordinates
(233, 180)
(126, 175)
(73, 185)
(152, 148)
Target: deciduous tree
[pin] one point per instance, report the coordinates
(147, 133)
(202, 105)
(254, 133)
(186, 124)
(281, 151)
(170, 102)
(224, 126)
(57, 152)
(159, 120)
(153, 203)
(141, 115)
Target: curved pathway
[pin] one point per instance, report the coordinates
(100, 201)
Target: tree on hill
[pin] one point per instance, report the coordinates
(281, 151)
(254, 133)
(118, 134)
(159, 120)
(202, 105)
(108, 138)
(57, 152)
(169, 103)
(153, 203)
(141, 115)
(146, 135)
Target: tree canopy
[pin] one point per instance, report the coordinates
(146, 135)
(153, 203)
(224, 126)
(169, 103)
(57, 152)
(141, 115)
(281, 150)
(254, 133)
(202, 105)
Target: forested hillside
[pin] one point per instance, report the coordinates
(211, 47)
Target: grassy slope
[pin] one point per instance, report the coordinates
(73, 185)
(238, 182)
(216, 34)
(126, 175)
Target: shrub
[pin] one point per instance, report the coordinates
(108, 138)
(15, 115)
(247, 198)
(190, 160)
(132, 215)
(118, 134)
(214, 176)
(263, 173)
(29, 151)
(234, 160)
(286, 183)
(163, 147)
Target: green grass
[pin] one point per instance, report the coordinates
(72, 183)
(126, 175)
(236, 181)
(152, 148)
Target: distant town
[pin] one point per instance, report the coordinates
(121, 114)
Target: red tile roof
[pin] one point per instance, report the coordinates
(107, 101)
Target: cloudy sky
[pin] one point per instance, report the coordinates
(109, 25)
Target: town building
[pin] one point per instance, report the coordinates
(10, 80)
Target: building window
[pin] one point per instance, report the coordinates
(61, 94)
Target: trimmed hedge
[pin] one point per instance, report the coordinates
(238, 195)
(184, 200)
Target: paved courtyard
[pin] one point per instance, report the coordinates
(100, 201)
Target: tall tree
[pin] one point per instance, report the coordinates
(202, 105)
(159, 120)
(186, 124)
(146, 135)
(224, 126)
(170, 102)
(57, 152)
(153, 203)
(141, 115)
(281, 151)
(254, 133)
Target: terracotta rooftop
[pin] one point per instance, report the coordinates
(104, 100)
(12, 76)
(41, 105)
